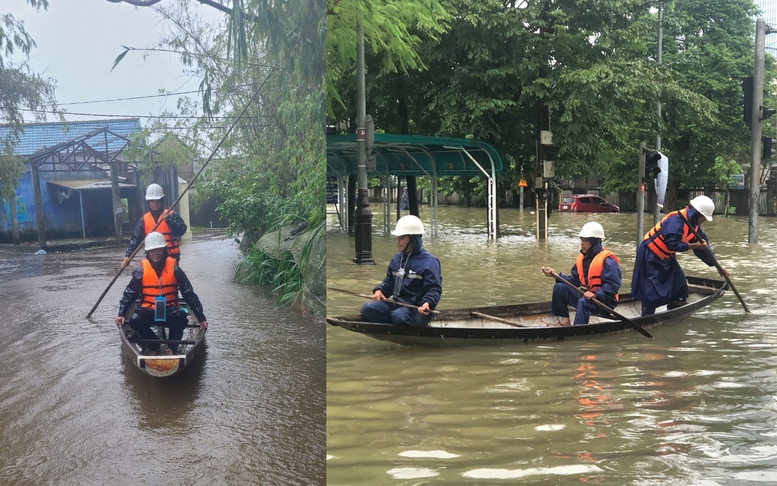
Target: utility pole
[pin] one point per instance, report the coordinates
(363, 216)
(757, 115)
(656, 209)
(545, 171)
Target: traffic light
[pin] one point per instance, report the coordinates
(651, 165)
(769, 144)
(747, 112)
(747, 89)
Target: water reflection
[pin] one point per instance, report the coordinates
(694, 406)
(164, 403)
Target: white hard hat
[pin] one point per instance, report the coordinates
(592, 230)
(155, 240)
(154, 192)
(704, 205)
(408, 225)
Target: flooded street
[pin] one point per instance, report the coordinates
(696, 405)
(75, 410)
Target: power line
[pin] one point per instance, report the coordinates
(129, 99)
(150, 117)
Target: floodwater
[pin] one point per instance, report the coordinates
(696, 405)
(74, 410)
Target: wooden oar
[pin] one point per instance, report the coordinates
(497, 319)
(229, 130)
(605, 308)
(715, 261)
(365, 296)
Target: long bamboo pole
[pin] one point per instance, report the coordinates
(188, 186)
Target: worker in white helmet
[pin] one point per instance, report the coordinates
(156, 285)
(658, 278)
(413, 277)
(597, 270)
(172, 226)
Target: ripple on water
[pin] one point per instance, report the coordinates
(537, 471)
(429, 454)
(412, 472)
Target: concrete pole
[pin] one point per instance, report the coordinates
(656, 209)
(755, 142)
(641, 194)
(363, 216)
(115, 192)
(38, 198)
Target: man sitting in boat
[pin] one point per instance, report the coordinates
(172, 225)
(597, 270)
(156, 284)
(413, 277)
(658, 278)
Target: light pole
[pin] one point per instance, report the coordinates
(363, 216)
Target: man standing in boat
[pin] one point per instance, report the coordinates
(156, 284)
(597, 270)
(658, 278)
(172, 226)
(413, 277)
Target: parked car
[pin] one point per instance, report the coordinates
(587, 203)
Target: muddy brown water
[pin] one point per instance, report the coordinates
(696, 405)
(74, 410)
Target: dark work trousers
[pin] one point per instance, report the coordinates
(384, 312)
(564, 295)
(143, 319)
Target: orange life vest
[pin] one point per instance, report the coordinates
(153, 286)
(594, 279)
(657, 245)
(170, 238)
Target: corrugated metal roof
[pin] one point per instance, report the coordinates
(87, 184)
(42, 135)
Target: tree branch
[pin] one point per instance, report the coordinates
(137, 3)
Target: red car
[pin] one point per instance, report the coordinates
(587, 203)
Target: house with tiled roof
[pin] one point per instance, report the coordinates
(75, 183)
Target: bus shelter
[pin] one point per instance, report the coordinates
(415, 155)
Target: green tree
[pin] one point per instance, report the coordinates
(393, 32)
(504, 68)
(274, 55)
(20, 89)
(269, 59)
(708, 49)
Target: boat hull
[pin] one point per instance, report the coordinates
(190, 347)
(527, 322)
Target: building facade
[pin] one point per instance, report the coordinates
(769, 13)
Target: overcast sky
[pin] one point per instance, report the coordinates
(78, 41)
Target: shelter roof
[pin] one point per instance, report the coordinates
(87, 184)
(38, 136)
(413, 155)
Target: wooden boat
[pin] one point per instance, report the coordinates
(161, 364)
(527, 322)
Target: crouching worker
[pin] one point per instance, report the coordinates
(597, 270)
(413, 277)
(156, 284)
